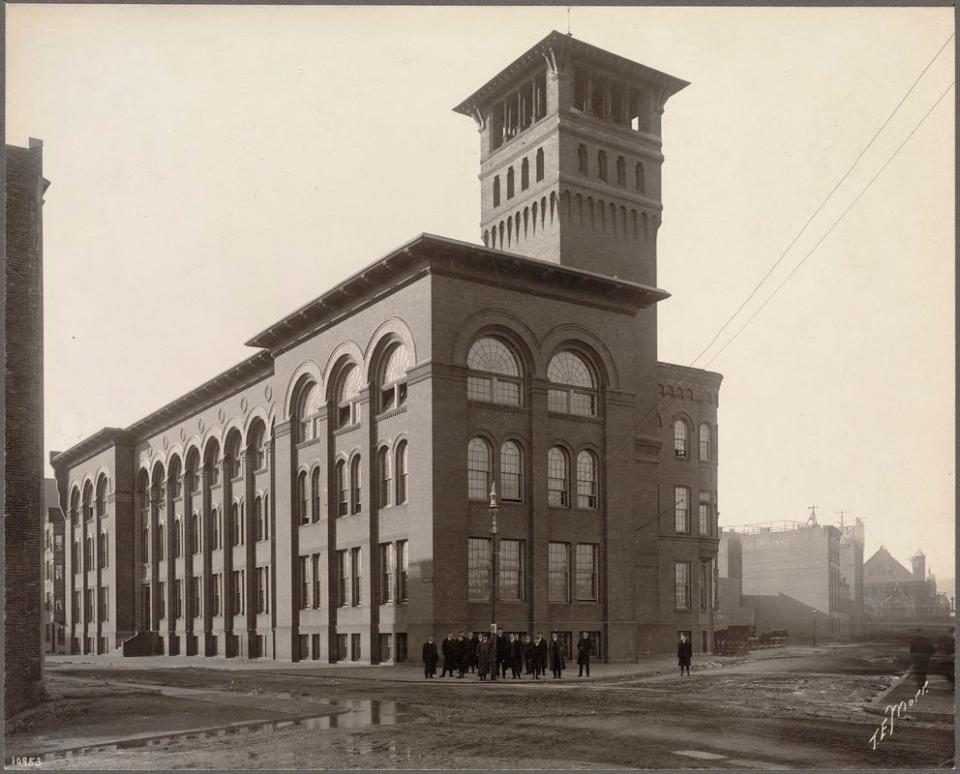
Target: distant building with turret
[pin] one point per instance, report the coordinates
(894, 593)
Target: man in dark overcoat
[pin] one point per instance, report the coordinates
(430, 657)
(463, 654)
(503, 653)
(684, 653)
(471, 646)
(516, 656)
(449, 658)
(584, 649)
(557, 656)
(539, 655)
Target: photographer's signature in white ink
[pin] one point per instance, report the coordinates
(894, 711)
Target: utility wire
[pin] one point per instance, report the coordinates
(822, 203)
(834, 224)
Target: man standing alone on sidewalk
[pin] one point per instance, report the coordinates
(584, 648)
(684, 653)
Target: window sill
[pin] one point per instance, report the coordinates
(590, 420)
(509, 408)
(391, 413)
(346, 429)
(305, 444)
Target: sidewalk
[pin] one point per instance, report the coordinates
(646, 665)
(938, 704)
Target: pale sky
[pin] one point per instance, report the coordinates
(214, 167)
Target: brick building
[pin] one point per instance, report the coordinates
(54, 615)
(327, 498)
(23, 462)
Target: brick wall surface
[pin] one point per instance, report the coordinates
(23, 451)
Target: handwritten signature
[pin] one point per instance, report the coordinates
(895, 711)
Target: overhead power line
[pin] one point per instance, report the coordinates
(822, 204)
(834, 224)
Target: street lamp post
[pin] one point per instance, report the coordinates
(494, 555)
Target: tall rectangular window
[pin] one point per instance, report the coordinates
(402, 568)
(304, 584)
(478, 569)
(387, 572)
(237, 592)
(261, 590)
(703, 585)
(511, 570)
(558, 572)
(315, 561)
(178, 597)
(144, 603)
(355, 645)
(681, 498)
(88, 605)
(195, 585)
(75, 607)
(341, 578)
(217, 582)
(103, 604)
(355, 596)
(588, 572)
(706, 526)
(682, 585)
(161, 600)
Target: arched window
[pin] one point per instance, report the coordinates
(498, 380)
(681, 497)
(195, 533)
(401, 468)
(510, 184)
(303, 498)
(393, 378)
(496, 191)
(266, 517)
(680, 439)
(102, 549)
(102, 497)
(258, 516)
(88, 553)
(558, 478)
(705, 450)
(87, 504)
(355, 484)
(177, 539)
(75, 505)
(342, 502)
(539, 164)
(573, 388)
(233, 460)
(315, 495)
(161, 542)
(193, 472)
(255, 445)
(478, 469)
(586, 480)
(524, 175)
(235, 524)
(639, 181)
(348, 397)
(213, 467)
(621, 171)
(308, 407)
(602, 164)
(511, 472)
(386, 476)
(582, 163)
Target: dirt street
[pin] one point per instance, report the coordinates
(789, 710)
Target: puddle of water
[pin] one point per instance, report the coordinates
(354, 713)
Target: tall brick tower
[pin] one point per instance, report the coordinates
(571, 156)
(23, 508)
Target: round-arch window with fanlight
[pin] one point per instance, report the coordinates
(496, 375)
(393, 379)
(348, 397)
(573, 388)
(308, 410)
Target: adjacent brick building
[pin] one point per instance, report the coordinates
(327, 498)
(23, 463)
(54, 611)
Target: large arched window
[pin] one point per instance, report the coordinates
(232, 457)
(348, 397)
(478, 469)
(496, 191)
(497, 374)
(213, 465)
(558, 478)
(315, 495)
(178, 539)
(639, 181)
(161, 542)
(258, 517)
(308, 409)
(195, 533)
(511, 472)
(586, 480)
(573, 388)
(393, 378)
(193, 471)
(87, 501)
(539, 164)
(342, 501)
(706, 450)
(355, 485)
(101, 501)
(303, 498)
(384, 471)
(255, 445)
(510, 185)
(524, 175)
(401, 468)
(681, 439)
(602, 164)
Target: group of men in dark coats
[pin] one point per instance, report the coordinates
(492, 656)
